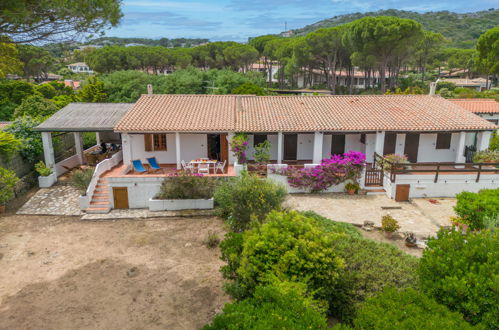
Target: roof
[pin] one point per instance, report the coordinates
(4, 124)
(78, 64)
(85, 117)
(170, 113)
(466, 82)
(245, 113)
(478, 105)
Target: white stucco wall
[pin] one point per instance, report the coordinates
(140, 190)
(446, 186)
(352, 142)
(427, 151)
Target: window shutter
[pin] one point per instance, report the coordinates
(443, 140)
(148, 142)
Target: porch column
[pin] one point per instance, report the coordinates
(380, 143)
(79, 147)
(279, 147)
(483, 140)
(318, 141)
(177, 150)
(460, 149)
(232, 157)
(97, 138)
(48, 150)
(126, 146)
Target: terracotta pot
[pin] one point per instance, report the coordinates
(2, 209)
(351, 191)
(388, 234)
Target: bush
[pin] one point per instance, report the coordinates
(387, 161)
(330, 226)
(494, 142)
(8, 145)
(473, 207)
(406, 309)
(290, 247)
(212, 240)
(389, 224)
(460, 271)
(262, 152)
(248, 197)
(22, 129)
(35, 106)
(42, 169)
(80, 179)
(486, 156)
(282, 305)
(370, 267)
(187, 186)
(8, 180)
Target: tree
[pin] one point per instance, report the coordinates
(260, 43)
(27, 21)
(249, 88)
(388, 39)
(240, 56)
(36, 61)
(92, 91)
(9, 59)
(22, 129)
(35, 106)
(488, 51)
(427, 50)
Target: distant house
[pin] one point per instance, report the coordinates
(478, 84)
(80, 67)
(74, 84)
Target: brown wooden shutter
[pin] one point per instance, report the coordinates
(148, 142)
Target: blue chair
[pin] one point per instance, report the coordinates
(154, 163)
(138, 167)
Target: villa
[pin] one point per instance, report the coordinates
(433, 132)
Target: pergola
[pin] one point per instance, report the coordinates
(77, 118)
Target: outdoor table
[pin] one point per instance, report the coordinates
(211, 163)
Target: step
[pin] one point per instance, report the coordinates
(373, 187)
(98, 210)
(100, 198)
(376, 192)
(99, 203)
(101, 192)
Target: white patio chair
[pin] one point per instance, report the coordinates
(220, 166)
(188, 167)
(204, 168)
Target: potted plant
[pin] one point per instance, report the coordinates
(47, 177)
(352, 188)
(388, 160)
(487, 156)
(8, 181)
(389, 225)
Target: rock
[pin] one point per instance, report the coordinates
(368, 225)
(188, 245)
(421, 244)
(132, 272)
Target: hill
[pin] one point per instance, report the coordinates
(177, 42)
(462, 30)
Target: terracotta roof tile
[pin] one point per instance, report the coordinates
(478, 105)
(170, 113)
(298, 113)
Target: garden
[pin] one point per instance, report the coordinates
(289, 269)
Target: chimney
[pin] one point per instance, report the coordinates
(433, 88)
(149, 89)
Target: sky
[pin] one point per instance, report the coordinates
(239, 19)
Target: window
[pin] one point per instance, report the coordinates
(259, 138)
(155, 142)
(443, 140)
(363, 138)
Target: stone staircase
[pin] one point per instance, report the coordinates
(100, 202)
(375, 190)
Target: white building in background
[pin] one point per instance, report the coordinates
(80, 67)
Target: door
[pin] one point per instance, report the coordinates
(402, 192)
(120, 197)
(390, 143)
(411, 147)
(337, 144)
(290, 146)
(224, 148)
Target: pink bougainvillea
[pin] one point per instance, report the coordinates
(332, 171)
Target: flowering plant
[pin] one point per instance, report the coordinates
(332, 171)
(238, 145)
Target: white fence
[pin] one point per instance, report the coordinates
(102, 167)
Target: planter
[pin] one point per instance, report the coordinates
(47, 181)
(180, 204)
(84, 202)
(2, 209)
(388, 234)
(351, 191)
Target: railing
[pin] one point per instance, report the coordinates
(469, 153)
(102, 167)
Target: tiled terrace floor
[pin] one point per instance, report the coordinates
(122, 170)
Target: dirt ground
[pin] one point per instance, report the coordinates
(64, 273)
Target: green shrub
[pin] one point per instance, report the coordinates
(406, 309)
(486, 156)
(370, 267)
(8, 180)
(389, 224)
(261, 152)
(8, 145)
(282, 305)
(80, 179)
(494, 141)
(248, 197)
(212, 240)
(461, 272)
(291, 247)
(330, 226)
(22, 129)
(42, 169)
(473, 207)
(187, 186)
(35, 106)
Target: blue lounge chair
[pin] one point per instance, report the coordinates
(154, 163)
(138, 167)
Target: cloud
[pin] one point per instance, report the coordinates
(165, 18)
(188, 6)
